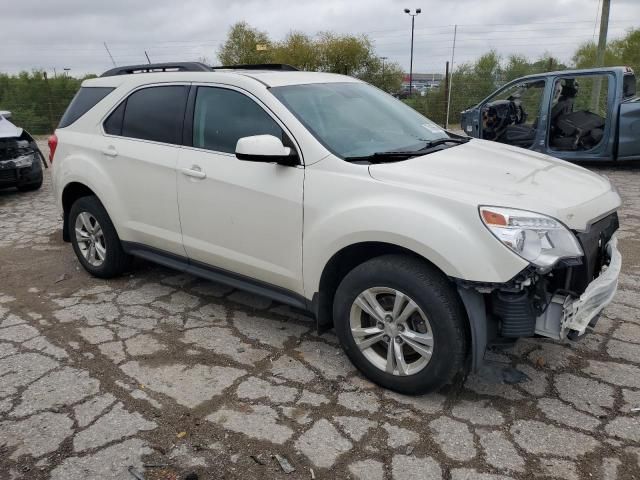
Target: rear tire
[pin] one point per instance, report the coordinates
(95, 240)
(414, 305)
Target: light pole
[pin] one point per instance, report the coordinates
(384, 84)
(413, 17)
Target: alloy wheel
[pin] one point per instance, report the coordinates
(90, 239)
(391, 331)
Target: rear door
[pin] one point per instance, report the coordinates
(141, 145)
(239, 216)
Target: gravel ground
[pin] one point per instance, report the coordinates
(166, 369)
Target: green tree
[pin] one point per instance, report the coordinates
(298, 50)
(243, 44)
(26, 95)
(625, 51)
(346, 54)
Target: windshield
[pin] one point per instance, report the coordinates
(356, 119)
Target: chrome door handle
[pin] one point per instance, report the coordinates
(110, 151)
(195, 171)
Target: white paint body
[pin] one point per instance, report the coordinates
(281, 225)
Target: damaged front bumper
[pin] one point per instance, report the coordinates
(568, 316)
(546, 305)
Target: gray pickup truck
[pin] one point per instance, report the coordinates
(576, 115)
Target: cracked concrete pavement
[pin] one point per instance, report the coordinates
(163, 368)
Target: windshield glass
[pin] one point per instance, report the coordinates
(356, 119)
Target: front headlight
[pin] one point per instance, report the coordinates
(24, 161)
(537, 238)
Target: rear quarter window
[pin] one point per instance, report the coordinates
(83, 101)
(629, 86)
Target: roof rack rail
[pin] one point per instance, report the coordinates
(158, 67)
(259, 66)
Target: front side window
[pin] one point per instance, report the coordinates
(153, 113)
(357, 120)
(222, 116)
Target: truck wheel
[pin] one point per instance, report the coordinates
(401, 323)
(95, 240)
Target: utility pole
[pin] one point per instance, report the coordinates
(384, 83)
(446, 92)
(46, 82)
(413, 17)
(147, 55)
(450, 83)
(602, 47)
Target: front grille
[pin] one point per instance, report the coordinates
(593, 244)
(8, 174)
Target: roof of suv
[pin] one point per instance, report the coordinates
(269, 78)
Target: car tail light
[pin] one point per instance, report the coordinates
(53, 144)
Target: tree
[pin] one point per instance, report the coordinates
(328, 52)
(243, 46)
(625, 51)
(25, 95)
(298, 50)
(345, 54)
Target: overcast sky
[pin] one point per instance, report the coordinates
(70, 33)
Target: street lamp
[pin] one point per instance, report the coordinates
(413, 17)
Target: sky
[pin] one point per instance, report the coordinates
(69, 34)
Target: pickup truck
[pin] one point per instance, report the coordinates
(575, 115)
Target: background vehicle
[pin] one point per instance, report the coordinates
(20, 157)
(576, 115)
(325, 193)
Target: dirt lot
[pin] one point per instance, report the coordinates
(162, 368)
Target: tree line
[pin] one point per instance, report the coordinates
(38, 102)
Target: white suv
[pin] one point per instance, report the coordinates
(420, 247)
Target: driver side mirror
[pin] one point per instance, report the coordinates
(265, 148)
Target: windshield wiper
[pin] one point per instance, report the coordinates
(396, 156)
(380, 157)
(440, 141)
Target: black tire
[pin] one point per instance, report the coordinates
(116, 260)
(437, 298)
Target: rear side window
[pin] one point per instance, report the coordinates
(223, 116)
(153, 113)
(113, 124)
(83, 101)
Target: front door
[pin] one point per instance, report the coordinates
(240, 216)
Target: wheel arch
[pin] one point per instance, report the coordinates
(341, 263)
(72, 192)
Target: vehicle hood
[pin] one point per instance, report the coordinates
(8, 129)
(488, 173)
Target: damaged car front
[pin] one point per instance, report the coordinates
(20, 158)
(559, 262)
(573, 263)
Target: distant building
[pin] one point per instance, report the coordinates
(424, 80)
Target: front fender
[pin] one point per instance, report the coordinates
(451, 237)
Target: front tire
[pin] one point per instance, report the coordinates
(401, 323)
(95, 240)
